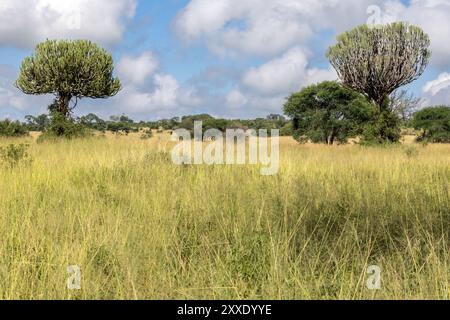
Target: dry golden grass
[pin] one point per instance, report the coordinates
(141, 228)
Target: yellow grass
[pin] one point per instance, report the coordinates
(141, 228)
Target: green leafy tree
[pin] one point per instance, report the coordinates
(70, 70)
(378, 60)
(39, 123)
(10, 128)
(287, 130)
(434, 123)
(327, 112)
(93, 121)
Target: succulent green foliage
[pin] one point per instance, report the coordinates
(434, 123)
(69, 70)
(327, 112)
(377, 60)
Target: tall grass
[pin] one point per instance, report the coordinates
(141, 228)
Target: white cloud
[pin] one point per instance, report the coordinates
(235, 99)
(437, 92)
(435, 86)
(137, 69)
(269, 28)
(12, 100)
(25, 23)
(286, 74)
(265, 27)
(148, 91)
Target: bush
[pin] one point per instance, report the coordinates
(287, 130)
(121, 128)
(411, 151)
(147, 134)
(13, 155)
(63, 128)
(434, 122)
(385, 129)
(12, 129)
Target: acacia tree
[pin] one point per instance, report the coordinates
(377, 60)
(327, 112)
(70, 70)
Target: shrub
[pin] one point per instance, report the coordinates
(12, 129)
(384, 129)
(147, 134)
(287, 130)
(434, 122)
(39, 123)
(411, 151)
(63, 128)
(13, 155)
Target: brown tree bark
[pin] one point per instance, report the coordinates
(63, 104)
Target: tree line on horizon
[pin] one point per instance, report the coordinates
(372, 62)
(123, 124)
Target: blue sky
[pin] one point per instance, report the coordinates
(228, 58)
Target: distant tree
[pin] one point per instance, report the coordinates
(39, 123)
(92, 121)
(121, 118)
(276, 117)
(124, 118)
(434, 123)
(70, 70)
(327, 113)
(378, 60)
(197, 117)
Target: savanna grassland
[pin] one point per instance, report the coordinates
(142, 228)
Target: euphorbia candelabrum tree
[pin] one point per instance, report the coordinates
(376, 61)
(70, 70)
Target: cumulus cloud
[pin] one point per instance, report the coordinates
(285, 74)
(235, 99)
(437, 91)
(27, 22)
(270, 27)
(137, 69)
(147, 91)
(15, 104)
(437, 85)
(265, 27)
(263, 90)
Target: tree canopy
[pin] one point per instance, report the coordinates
(70, 70)
(377, 60)
(434, 123)
(327, 112)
